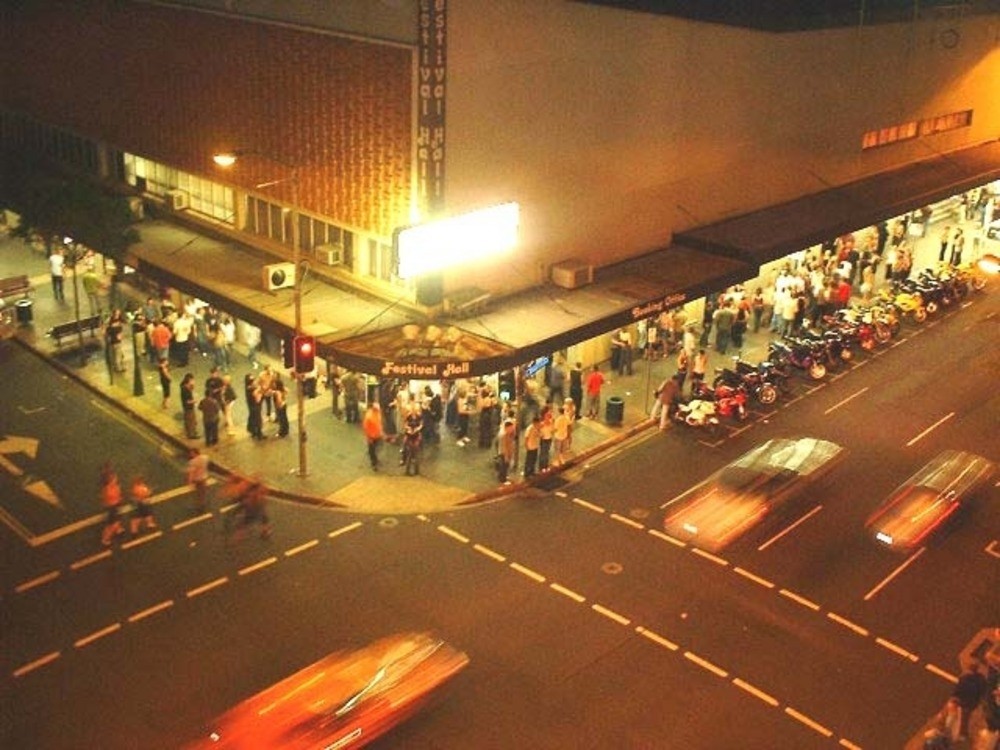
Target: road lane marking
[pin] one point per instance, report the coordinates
(755, 691)
(36, 582)
(190, 522)
(896, 649)
(705, 664)
(846, 400)
(97, 635)
(799, 599)
(90, 560)
(814, 725)
(656, 638)
(934, 426)
(301, 548)
(257, 566)
(896, 572)
(755, 578)
(848, 744)
(33, 665)
(567, 592)
(610, 614)
(17, 527)
(453, 534)
(848, 624)
(589, 506)
(709, 556)
(990, 551)
(941, 673)
(528, 572)
(142, 540)
(489, 553)
(627, 521)
(678, 498)
(780, 534)
(207, 587)
(151, 611)
(667, 538)
(344, 529)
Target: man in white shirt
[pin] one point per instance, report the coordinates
(57, 261)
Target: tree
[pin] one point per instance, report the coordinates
(56, 208)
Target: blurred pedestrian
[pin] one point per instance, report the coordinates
(969, 692)
(142, 513)
(111, 501)
(683, 362)
(576, 388)
(163, 367)
(188, 406)
(197, 476)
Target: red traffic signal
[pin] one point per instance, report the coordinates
(305, 353)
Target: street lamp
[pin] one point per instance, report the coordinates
(229, 159)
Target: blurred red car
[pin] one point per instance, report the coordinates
(928, 499)
(738, 496)
(345, 700)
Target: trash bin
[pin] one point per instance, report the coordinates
(614, 411)
(23, 311)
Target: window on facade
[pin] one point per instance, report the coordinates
(916, 128)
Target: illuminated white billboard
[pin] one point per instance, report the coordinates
(445, 243)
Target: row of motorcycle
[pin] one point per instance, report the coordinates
(816, 351)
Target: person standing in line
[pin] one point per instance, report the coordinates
(723, 321)
(57, 266)
(228, 399)
(487, 408)
(183, 327)
(372, 427)
(757, 308)
(142, 515)
(506, 445)
(281, 406)
(255, 415)
(595, 381)
(626, 352)
(111, 501)
(464, 411)
(187, 407)
(957, 247)
(576, 389)
(211, 413)
(561, 428)
(945, 242)
(707, 318)
(163, 367)
(197, 477)
(160, 338)
(532, 442)
(698, 366)
(569, 409)
(546, 431)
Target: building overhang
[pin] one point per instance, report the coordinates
(771, 233)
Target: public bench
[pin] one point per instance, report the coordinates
(14, 285)
(466, 301)
(61, 331)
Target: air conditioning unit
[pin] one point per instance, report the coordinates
(177, 200)
(570, 274)
(279, 276)
(331, 254)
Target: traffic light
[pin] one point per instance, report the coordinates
(305, 354)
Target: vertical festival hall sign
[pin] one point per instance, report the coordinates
(430, 117)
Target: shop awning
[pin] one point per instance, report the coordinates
(771, 233)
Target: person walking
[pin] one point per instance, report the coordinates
(57, 265)
(197, 477)
(372, 427)
(142, 515)
(163, 368)
(111, 501)
(187, 406)
(668, 392)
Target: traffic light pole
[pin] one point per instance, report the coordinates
(300, 403)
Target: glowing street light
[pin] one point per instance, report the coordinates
(229, 159)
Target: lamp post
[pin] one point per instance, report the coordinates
(228, 160)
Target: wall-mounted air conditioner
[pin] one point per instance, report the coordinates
(331, 254)
(570, 274)
(279, 276)
(177, 200)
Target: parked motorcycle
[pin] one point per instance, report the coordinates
(798, 355)
(747, 376)
(831, 346)
(906, 303)
(696, 413)
(931, 291)
(730, 401)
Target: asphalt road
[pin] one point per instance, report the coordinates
(585, 625)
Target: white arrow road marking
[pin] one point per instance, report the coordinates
(42, 491)
(16, 444)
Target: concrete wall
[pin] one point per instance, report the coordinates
(616, 129)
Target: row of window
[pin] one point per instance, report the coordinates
(916, 128)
